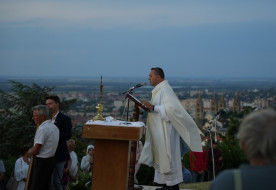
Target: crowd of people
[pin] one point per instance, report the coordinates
(170, 133)
(52, 159)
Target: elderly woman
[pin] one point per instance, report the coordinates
(257, 135)
(21, 168)
(87, 161)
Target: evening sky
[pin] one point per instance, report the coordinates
(187, 38)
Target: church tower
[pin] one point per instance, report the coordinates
(199, 107)
(214, 104)
(222, 104)
(236, 103)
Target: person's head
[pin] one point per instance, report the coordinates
(90, 150)
(24, 150)
(53, 103)
(156, 76)
(257, 135)
(40, 114)
(71, 145)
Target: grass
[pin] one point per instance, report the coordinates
(196, 186)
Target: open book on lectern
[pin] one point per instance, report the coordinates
(138, 102)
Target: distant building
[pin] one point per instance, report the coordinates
(189, 106)
(261, 103)
(194, 92)
(221, 104)
(199, 108)
(214, 104)
(206, 105)
(236, 103)
(118, 103)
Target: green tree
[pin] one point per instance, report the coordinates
(233, 156)
(16, 125)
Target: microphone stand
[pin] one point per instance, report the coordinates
(128, 92)
(127, 109)
(211, 141)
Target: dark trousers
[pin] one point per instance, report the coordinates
(197, 177)
(41, 173)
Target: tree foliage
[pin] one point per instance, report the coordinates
(233, 156)
(16, 125)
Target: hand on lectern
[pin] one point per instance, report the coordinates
(149, 105)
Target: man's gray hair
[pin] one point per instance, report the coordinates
(257, 134)
(42, 110)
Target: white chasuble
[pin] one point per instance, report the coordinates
(165, 125)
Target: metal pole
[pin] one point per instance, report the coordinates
(213, 160)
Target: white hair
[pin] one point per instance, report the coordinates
(42, 110)
(257, 135)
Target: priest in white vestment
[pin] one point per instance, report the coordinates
(168, 123)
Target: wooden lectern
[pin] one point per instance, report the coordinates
(112, 154)
(115, 151)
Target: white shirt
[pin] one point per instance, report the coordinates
(48, 136)
(20, 172)
(85, 163)
(54, 118)
(74, 165)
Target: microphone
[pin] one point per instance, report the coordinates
(139, 85)
(136, 86)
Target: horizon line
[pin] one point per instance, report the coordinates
(137, 77)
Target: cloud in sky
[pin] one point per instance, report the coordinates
(138, 14)
(187, 38)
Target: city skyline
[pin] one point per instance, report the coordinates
(191, 39)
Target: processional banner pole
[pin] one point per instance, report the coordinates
(30, 169)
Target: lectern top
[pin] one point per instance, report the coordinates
(117, 123)
(116, 130)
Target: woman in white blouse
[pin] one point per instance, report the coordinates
(21, 168)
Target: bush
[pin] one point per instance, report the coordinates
(83, 182)
(9, 164)
(145, 175)
(233, 156)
